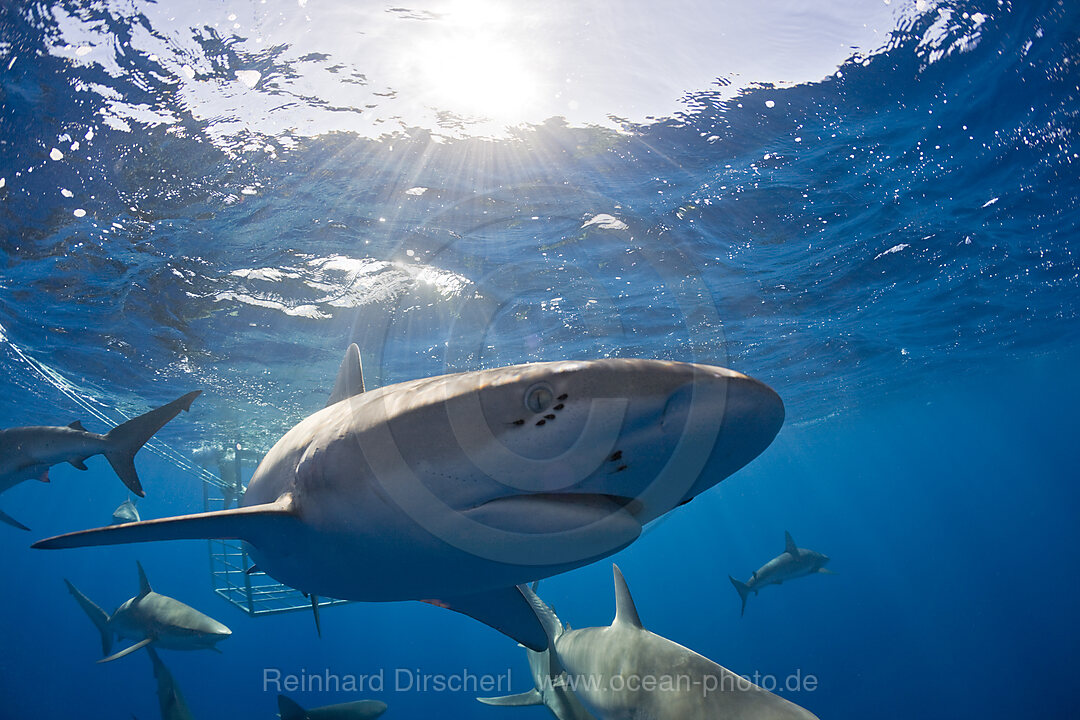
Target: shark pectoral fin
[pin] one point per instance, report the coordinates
(826, 571)
(44, 477)
(525, 699)
(4, 517)
(252, 524)
(507, 610)
(78, 463)
(350, 377)
(128, 650)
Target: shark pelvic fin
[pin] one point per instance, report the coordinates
(5, 518)
(128, 650)
(77, 425)
(78, 463)
(124, 440)
(350, 377)
(625, 611)
(789, 544)
(508, 610)
(251, 524)
(525, 699)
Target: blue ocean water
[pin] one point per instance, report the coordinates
(892, 247)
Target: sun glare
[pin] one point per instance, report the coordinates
(473, 68)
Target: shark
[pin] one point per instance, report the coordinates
(150, 618)
(27, 453)
(170, 699)
(549, 689)
(456, 489)
(625, 671)
(356, 710)
(125, 512)
(794, 562)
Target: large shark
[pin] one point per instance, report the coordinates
(624, 671)
(170, 699)
(27, 453)
(549, 688)
(356, 710)
(152, 618)
(793, 563)
(456, 489)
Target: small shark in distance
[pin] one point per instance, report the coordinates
(27, 453)
(624, 671)
(456, 489)
(170, 699)
(125, 512)
(356, 710)
(793, 563)
(152, 618)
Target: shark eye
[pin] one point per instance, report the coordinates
(538, 398)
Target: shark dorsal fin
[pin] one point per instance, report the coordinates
(350, 377)
(77, 426)
(625, 612)
(789, 544)
(144, 584)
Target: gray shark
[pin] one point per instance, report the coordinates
(170, 699)
(549, 688)
(152, 618)
(624, 671)
(357, 710)
(456, 489)
(27, 453)
(125, 512)
(793, 563)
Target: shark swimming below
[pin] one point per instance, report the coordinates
(170, 699)
(794, 562)
(549, 689)
(27, 453)
(624, 671)
(456, 489)
(151, 618)
(356, 710)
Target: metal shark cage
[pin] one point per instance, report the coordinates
(233, 575)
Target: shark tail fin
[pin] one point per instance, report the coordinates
(525, 699)
(289, 710)
(124, 440)
(96, 615)
(247, 523)
(743, 590)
